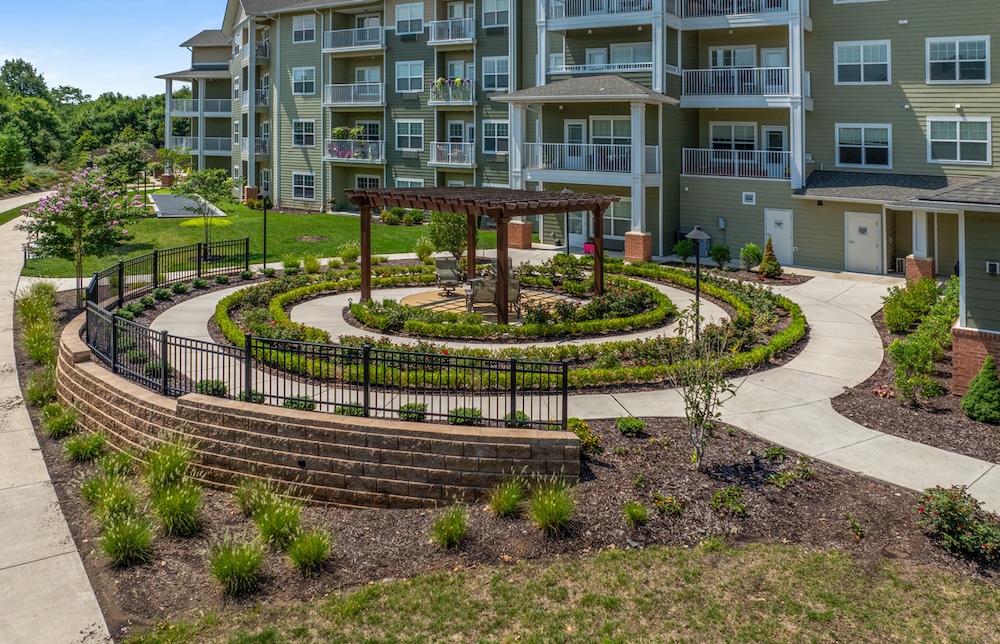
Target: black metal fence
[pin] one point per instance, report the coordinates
(354, 381)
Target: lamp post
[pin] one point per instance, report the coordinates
(264, 198)
(566, 191)
(698, 236)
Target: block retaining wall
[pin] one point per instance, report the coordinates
(334, 459)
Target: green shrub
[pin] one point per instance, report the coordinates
(590, 443)
(154, 369)
(83, 448)
(769, 266)
(39, 341)
(349, 410)
(199, 283)
(506, 498)
(167, 466)
(750, 256)
(424, 248)
(982, 401)
(290, 265)
(391, 218)
(668, 505)
(162, 294)
(269, 272)
(246, 275)
(310, 550)
(350, 251)
(136, 307)
(301, 403)
(450, 528)
(147, 301)
(959, 522)
(253, 495)
(41, 387)
(215, 388)
(636, 514)
(177, 508)
(96, 486)
(221, 279)
(465, 416)
(684, 249)
(720, 255)
(135, 356)
(236, 565)
(551, 505)
(413, 217)
(520, 420)
(180, 288)
(903, 307)
(630, 426)
(128, 541)
(913, 365)
(609, 360)
(311, 264)
(279, 521)
(36, 304)
(125, 314)
(413, 412)
(729, 500)
(117, 464)
(60, 425)
(334, 262)
(256, 397)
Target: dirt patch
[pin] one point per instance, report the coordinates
(311, 238)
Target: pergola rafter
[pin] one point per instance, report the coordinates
(499, 204)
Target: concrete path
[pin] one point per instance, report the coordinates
(46, 595)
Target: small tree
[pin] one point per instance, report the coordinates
(982, 401)
(173, 157)
(684, 249)
(769, 266)
(720, 255)
(750, 256)
(122, 162)
(12, 156)
(84, 217)
(448, 232)
(207, 188)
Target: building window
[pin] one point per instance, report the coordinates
(236, 172)
(364, 182)
(304, 186)
(864, 145)
(618, 218)
(303, 134)
(727, 57)
(958, 60)
(303, 80)
(370, 130)
(410, 19)
(496, 73)
(632, 54)
(236, 133)
(496, 13)
(265, 180)
(410, 76)
(410, 135)
(304, 28)
(951, 140)
(862, 63)
(734, 136)
(496, 137)
(409, 183)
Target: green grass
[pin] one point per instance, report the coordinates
(757, 593)
(283, 231)
(13, 213)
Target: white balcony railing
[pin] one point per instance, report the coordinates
(262, 97)
(736, 81)
(448, 93)
(589, 157)
(245, 145)
(218, 106)
(245, 52)
(584, 8)
(354, 150)
(455, 30)
(212, 143)
(354, 94)
(601, 69)
(261, 146)
(737, 163)
(707, 8)
(183, 105)
(460, 154)
(245, 98)
(364, 38)
(189, 143)
(652, 159)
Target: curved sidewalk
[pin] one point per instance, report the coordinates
(47, 596)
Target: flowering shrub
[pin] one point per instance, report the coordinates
(590, 443)
(958, 521)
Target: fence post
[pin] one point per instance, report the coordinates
(248, 367)
(199, 258)
(164, 365)
(121, 284)
(92, 289)
(565, 394)
(114, 343)
(366, 352)
(156, 268)
(513, 393)
(246, 254)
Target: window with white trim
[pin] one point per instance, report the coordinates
(236, 172)
(265, 180)
(864, 145)
(409, 135)
(862, 63)
(496, 73)
(496, 137)
(958, 60)
(410, 18)
(303, 80)
(366, 182)
(733, 136)
(618, 218)
(236, 133)
(304, 28)
(409, 183)
(496, 13)
(410, 76)
(303, 134)
(636, 53)
(959, 140)
(304, 186)
(736, 56)
(370, 130)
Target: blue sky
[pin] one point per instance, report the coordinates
(108, 45)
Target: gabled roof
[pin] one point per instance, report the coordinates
(874, 186)
(587, 89)
(208, 38)
(983, 192)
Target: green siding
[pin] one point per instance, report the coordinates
(947, 243)
(901, 244)
(982, 291)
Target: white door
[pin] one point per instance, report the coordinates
(575, 137)
(578, 228)
(456, 131)
(864, 238)
(778, 226)
(775, 64)
(775, 141)
(456, 10)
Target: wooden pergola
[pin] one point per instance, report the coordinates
(499, 204)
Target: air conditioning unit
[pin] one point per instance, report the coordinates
(900, 264)
(993, 268)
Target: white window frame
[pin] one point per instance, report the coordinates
(303, 133)
(408, 10)
(298, 70)
(368, 178)
(863, 127)
(712, 51)
(410, 122)
(495, 137)
(303, 191)
(304, 28)
(367, 134)
(236, 172)
(862, 44)
(959, 120)
(492, 10)
(956, 40)
(631, 48)
(731, 125)
(408, 64)
(404, 182)
(494, 61)
(614, 213)
(237, 136)
(612, 119)
(265, 180)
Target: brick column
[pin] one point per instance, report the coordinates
(969, 349)
(166, 180)
(249, 192)
(638, 246)
(919, 267)
(519, 233)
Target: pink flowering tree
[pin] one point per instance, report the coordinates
(84, 218)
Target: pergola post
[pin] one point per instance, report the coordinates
(470, 246)
(597, 225)
(502, 271)
(366, 252)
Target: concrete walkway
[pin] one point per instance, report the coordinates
(46, 595)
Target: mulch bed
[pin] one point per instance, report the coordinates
(787, 279)
(938, 422)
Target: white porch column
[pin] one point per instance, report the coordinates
(251, 177)
(920, 236)
(796, 114)
(637, 163)
(518, 125)
(168, 124)
(200, 83)
(541, 23)
(659, 47)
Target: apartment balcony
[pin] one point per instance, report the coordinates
(584, 14)
(245, 145)
(448, 94)
(354, 95)
(454, 155)
(261, 146)
(354, 151)
(740, 87)
(218, 107)
(263, 51)
(458, 31)
(606, 68)
(590, 163)
(723, 14)
(262, 98)
(347, 42)
(737, 164)
(245, 97)
(213, 145)
(245, 53)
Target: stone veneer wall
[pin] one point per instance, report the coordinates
(334, 459)
(969, 348)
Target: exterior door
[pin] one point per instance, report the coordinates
(864, 239)
(778, 226)
(456, 131)
(456, 68)
(775, 64)
(369, 24)
(775, 145)
(578, 228)
(456, 10)
(575, 137)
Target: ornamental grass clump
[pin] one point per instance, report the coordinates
(279, 522)
(128, 541)
(36, 304)
(310, 550)
(177, 508)
(636, 514)
(236, 565)
(449, 529)
(41, 387)
(117, 464)
(57, 421)
(83, 448)
(551, 505)
(253, 495)
(960, 524)
(39, 341)
(167, 466)
(982, 401)
(506, 499)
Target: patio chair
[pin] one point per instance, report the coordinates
(448, 276)
(514, 295)
(480, 291)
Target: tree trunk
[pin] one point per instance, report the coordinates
(79, 281)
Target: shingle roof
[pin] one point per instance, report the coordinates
(875, 186)
(190, 74)
(207, 38)
(984, 192)
(586, 88)
(258, 7)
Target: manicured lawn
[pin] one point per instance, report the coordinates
(750, 594)
(13, 213)
(283, 231)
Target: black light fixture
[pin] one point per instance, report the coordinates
(698, 236)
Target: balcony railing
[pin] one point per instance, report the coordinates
(583, 8)
(736, 81)
(262, 97)
(263, 50)
(183, 105)
(245, 145)
(354, 94)
(588, 157)
(737, 163)
(455, 30)
(262, 146)
(354, 150)
(460, 154)
(364, 38)
(602, 68)
(707, 8)
(245, 52)
(212, 143)
(218, 106)
(188, 143)
(448, 93)
(245, 98)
